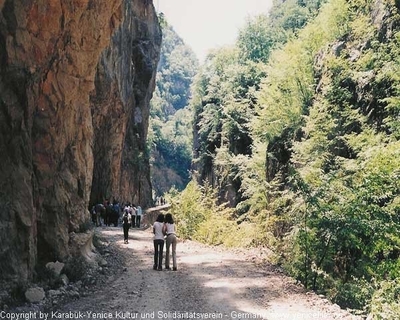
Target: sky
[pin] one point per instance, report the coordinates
(208, 24)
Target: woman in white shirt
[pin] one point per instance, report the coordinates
(170, 231)
(158, 230)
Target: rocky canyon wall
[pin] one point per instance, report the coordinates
(125, 81)
(75, 80)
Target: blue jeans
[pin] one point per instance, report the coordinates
(138, 218)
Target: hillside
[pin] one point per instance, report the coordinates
(296, 129)
(170, 134)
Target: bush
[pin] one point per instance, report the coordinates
(385, 302)
(199, 217)
(354, 294)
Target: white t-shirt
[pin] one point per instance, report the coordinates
(129, 217)
(170, 228)
(157, 227)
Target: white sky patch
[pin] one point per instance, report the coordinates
(208, 24)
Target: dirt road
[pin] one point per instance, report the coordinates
(211, 283)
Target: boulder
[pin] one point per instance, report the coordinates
(56, 267)
(35, 295)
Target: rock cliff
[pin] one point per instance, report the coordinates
(125, 81)
(76, 77)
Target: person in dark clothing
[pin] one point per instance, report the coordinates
(126, 224)
(116, 213)
(100, 213)
(93, 215)
(109, 213)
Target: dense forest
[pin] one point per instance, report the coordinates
(296, 148)
(170, 130)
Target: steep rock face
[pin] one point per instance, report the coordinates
(49, 57)
(124, 83)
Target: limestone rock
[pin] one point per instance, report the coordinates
(64, 279)
(54, 293)
(125, 80)
(34, 295)
(56, 267)
(103, 263)
(81, 244)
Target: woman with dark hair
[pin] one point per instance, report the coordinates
(158, 230)
(126, 223)
(170, 231)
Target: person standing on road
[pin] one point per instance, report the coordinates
(139, 214)
(170, 231)
(158, 230)
(126, 224)
(133, 213)
(109, 213)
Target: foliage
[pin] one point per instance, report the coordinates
(257, 39)
(345, 167)
(187, 209)
(223, 106)
(225, 97)
(287, 93)
(173, 141)
(170, 129)
(385, 300)
(199, 217)
(176, 69)
(287, 17)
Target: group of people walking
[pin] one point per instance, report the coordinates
(164, 228)
(108, 213)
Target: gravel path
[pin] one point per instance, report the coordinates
(211, 283)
